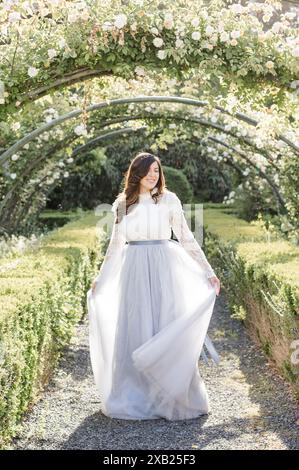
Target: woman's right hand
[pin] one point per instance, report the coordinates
(215, 283)
(93, 285)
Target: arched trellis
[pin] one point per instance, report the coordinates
(35, 189)
(115, 133)
(262, 173)
(199, 121)
(179, 118)
(228, 161)
(95, 142)
(120, 119)
(139, 99)
(192, 102)
(108, 135)
(203, 122)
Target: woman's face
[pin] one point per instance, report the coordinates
(148, 182)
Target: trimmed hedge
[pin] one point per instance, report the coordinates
(178, 182)
(42, 299)
(261, 282)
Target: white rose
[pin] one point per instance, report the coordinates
(276, 27)
(220, 27)
(214, 38)
(120, 21)
(224, 36)
(209, 30)
(237, 8)
(290, 15)
(171, 82)
(62, 43)
(106, 26)
(154, 31)
(70, 160)
(32, 71)
(295, 51)
(235, 34)
(14, 16)
(259, 144)
(161, 54)
(168, 16)
(261, 36)
(140, 71)
(269, 64)
(52, 53)
(179, 43)
(84, 15)
(168, 21)
(196, 35)
(233, 42)
(195, 22)
(66, 174)
(14, 157)
(266, 18)
(80, 130)
(15, 126)
(13, 176)
(72, 16)
(158, 42)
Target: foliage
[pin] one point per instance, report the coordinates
(260, 277)
(42, 299)
(177, 181)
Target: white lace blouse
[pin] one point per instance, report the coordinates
(148, 220)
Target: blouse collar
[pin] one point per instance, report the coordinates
(146, 195)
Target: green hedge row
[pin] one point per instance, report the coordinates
(41, 300)
(260, 277)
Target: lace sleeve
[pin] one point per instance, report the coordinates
(116, 243)
(185, 236)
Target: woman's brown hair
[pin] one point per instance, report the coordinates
(138, 168)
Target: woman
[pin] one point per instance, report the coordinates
(150, 305)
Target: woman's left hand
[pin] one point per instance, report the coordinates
(215, 283)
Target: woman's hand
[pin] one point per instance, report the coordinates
(93, 285)
(215, 283)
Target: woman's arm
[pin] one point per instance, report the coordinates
(116, 244)
(185, 236)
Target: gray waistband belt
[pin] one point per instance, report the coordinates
(147, 242)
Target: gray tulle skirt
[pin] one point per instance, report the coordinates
(148, 322)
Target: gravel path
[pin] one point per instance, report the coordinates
(251, 406)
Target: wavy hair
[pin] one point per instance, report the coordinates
(138, 168)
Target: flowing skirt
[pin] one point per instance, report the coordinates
(148, 322)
